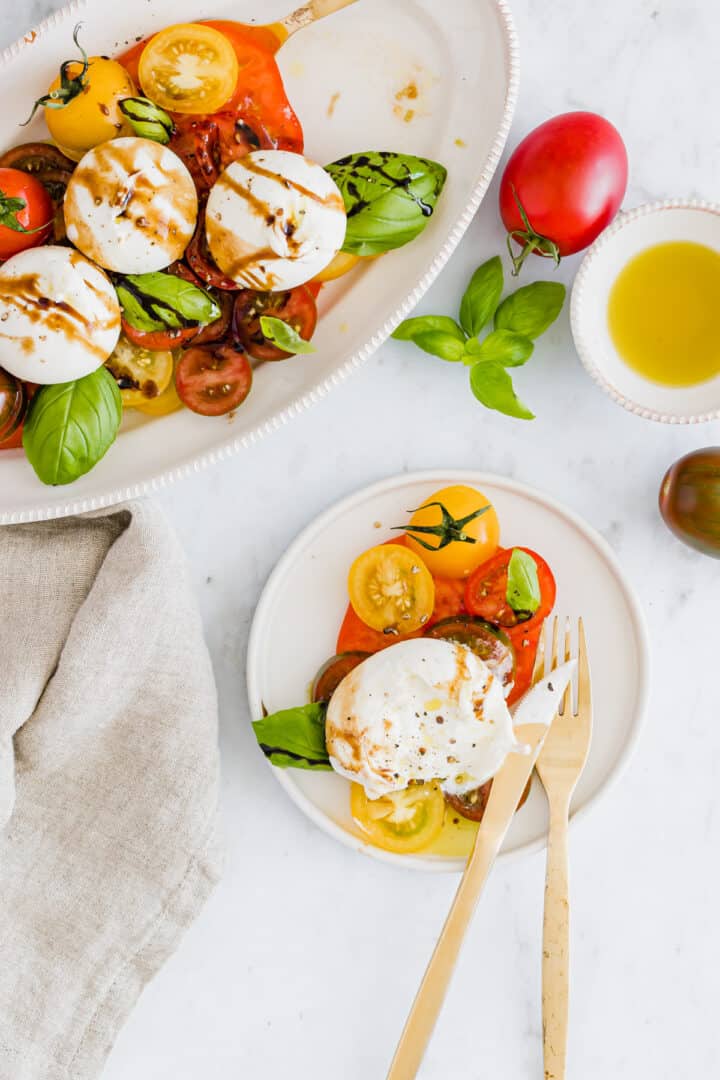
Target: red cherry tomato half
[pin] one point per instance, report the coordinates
(32, 223)
(159, 340)
(486, 591)
(563, 185)
(213, 380)
(296, 307)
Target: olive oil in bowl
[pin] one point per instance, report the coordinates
(663, 313)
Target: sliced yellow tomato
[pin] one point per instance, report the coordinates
(141, 374)
(343, 263)
(93, 115)
(454, 531)
(391, 589)
(188, 68)
(404, 821)
(164, 404)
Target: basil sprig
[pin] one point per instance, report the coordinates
(518, 320)
(71, 426)
(523, 587)
(389, 198)
(147, 119)
(284, 336)
(164, 301)
(295, 738)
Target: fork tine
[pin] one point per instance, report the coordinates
(566, 706)
(583, 671)
(539, 669)
(555, 639)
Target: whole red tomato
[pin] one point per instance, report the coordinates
(26, 212)
(563, 185)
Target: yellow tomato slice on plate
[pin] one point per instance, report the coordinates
(404, 821)
(391, 589)
(164, 404)
(188, 68)
(141, 374)
(343, 263)
(462, 538)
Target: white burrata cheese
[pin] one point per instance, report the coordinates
(131, 206)
(274, 220)
(419, 710)
(59, 315)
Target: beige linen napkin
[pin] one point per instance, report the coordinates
(108, 780)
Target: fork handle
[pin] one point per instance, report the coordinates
(556, 945)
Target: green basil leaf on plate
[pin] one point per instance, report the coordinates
(439, 344)
(409, 329)
(147, 119)
(491, 385)
(482, 296)
(284, 336)
(389, 198)
(523, 586)
(295, 738)
(501, 346)
(160, 301)
(71, 426)
(532, 309)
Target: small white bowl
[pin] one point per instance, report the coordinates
(631, 233)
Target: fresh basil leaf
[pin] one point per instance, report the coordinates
(491, 385)
(532, 309)
(295, 738)
(523, 587)
(423, 324)
(445, 346)
(389, 198)
(71, 426)
(284, 336)
(502, 346)
(158, 301)
(147, 119)
(482, 296)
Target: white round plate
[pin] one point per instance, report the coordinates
(631, 233)
(439, 80)
(297, 621)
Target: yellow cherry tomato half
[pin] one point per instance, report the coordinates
(93, 115)
(343, 263)
(404, 822)
(165, 403)
(188, 68)
(141, 374)
(460, 538)
(391, 589)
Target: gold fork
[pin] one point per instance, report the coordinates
(559, 766)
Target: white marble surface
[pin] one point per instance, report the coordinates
(307, 957)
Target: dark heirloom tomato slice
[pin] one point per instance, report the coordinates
(490, 644)
(472, 804)
(296, 307)
(332, 673)
(13, 402)
(200, 261)
(213, 380)
(486, 591)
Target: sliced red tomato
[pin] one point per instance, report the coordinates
(486, 591)
(295, 307)
(201, 261)
(524, 639)
(213, 380)
(259, 96)
(449, 599)
(208, 144)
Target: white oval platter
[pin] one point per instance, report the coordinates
(345, 76)
(297, 621)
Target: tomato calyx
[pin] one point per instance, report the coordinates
(529, 240)
(70, 85)
(9, 210)
(450, 530)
